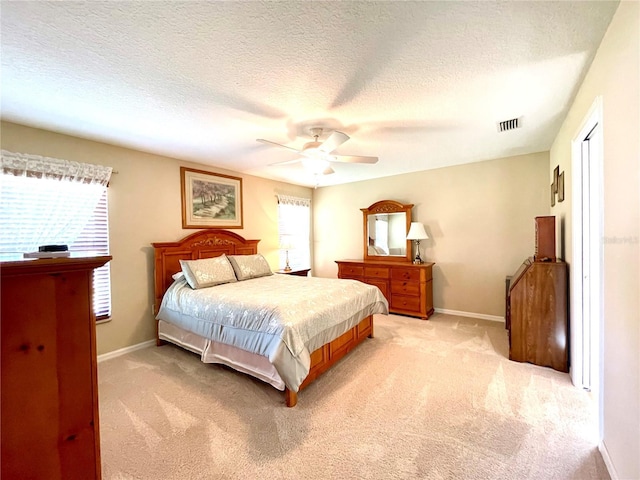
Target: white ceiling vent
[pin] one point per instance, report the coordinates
(509, 125)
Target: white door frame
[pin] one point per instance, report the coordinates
(586, 321)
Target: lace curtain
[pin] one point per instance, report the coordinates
(296, 201)
(45, 200)
(35, 166)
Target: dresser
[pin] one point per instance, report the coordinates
(407, 287)
(49, 385)
(536, 314)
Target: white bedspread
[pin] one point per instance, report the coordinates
(282, 317)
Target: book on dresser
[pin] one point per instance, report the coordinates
(407, 287)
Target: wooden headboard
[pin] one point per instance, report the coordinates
(202, 244)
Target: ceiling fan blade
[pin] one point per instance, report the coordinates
(328, 171)
(355, 159)
(287, 162)
(334, 141)
(268, 142)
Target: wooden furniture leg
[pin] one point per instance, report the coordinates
(290, 397)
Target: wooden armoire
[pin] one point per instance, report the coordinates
(50, 427)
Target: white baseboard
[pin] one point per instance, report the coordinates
(482, 316)
(122, 351)
(607, 461)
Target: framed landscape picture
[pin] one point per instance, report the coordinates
(210, 200)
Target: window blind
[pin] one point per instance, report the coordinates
(41, 211)
(94, 240)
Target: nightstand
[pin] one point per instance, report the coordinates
(300, 272)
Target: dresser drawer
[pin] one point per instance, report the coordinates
(405, 302)
(405, 274)
(376, 272)
(351, 271)
(405, 288)
(382, 284)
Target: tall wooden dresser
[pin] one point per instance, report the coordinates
(407, 287)
(49, 392)
(536, 314)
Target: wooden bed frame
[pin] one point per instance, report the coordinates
(213, 243)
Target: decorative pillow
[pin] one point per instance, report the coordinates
(208, 272)
(250, 266)
(177, 276)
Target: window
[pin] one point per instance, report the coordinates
(294, 227)
(94, 240)
(50, 201)
(382, 234)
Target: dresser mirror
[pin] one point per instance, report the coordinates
(386, 224)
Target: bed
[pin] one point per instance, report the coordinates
(282, 329)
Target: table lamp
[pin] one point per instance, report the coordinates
(417, 233)
(286, 244)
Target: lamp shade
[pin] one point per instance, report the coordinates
(286, 242)
(416, 232)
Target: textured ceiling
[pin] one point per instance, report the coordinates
(421, 85)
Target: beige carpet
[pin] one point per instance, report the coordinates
(435, 400)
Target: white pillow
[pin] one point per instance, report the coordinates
(177, 276)
(250, 266)
(208, 272)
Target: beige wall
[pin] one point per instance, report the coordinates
(144, 207)
(479, 217)
(615, 76)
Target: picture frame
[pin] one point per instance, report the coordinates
(210, 200)
(561, 187)
(556, 175)
(553, 195)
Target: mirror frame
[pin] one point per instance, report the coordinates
(386, 206)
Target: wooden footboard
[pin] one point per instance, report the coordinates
(213, 243)
(323, 358)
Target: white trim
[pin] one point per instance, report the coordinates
(602, 448)
(125, 350)
(593, 120)
(482, 316)
(593, 117)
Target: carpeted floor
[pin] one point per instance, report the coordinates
(434, 400)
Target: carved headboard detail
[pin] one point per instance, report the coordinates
(202, 244)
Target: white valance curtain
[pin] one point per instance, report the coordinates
(35, 166)
(46, 200)
(295, 201)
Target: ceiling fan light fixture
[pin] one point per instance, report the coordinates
(316, 166)
(310, 146)
(316, 155)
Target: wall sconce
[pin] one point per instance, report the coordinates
(417, 233)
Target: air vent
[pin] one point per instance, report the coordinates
(509, 125)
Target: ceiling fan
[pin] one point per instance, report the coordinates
(316, 155)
